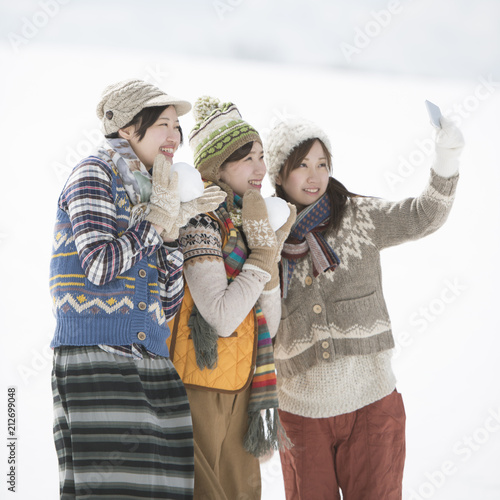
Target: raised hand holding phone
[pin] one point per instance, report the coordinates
(434, 113)
(449, 142)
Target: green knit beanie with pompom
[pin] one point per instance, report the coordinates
(218, 133)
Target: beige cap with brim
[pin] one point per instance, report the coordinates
(121, 101)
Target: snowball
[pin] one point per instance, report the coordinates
(278, 211)
(190, 182)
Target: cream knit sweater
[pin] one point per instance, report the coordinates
(333, 346)
(224, 306)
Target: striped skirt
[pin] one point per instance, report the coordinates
(122, 426)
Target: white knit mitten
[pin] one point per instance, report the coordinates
(449, 144)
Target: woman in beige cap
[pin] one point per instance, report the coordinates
(337, 390)
(122, 424)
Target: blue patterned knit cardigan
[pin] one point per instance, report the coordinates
(124, 310)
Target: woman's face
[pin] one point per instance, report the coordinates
(307, 183)
(246, 173)
(163, 137)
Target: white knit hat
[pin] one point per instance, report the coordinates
(121, 101)
(284, 138)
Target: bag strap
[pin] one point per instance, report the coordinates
(173, 333)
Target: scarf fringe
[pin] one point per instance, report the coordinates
(204, 340)
(265, 433)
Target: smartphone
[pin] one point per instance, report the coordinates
(434, 114)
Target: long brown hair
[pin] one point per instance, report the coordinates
(338, 193)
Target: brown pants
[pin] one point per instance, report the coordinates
(223, 470)
(361, 453)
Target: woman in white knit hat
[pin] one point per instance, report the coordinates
(221, 339)
(122, 425)
(337, 391)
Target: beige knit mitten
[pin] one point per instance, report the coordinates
(211, 198)
(261, 238)
(283, 232)
(164, 203)
(281, 236)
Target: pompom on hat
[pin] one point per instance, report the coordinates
(284, 138)
(218, 133)
(121, 101)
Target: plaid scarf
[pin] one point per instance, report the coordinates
(264, 431)
(136, 179)
(306, 236)
(134, 175)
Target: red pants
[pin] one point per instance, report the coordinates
(361, 453)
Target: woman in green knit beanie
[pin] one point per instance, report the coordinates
(221, 343)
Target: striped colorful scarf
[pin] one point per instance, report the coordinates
(306, 236)
(264, 432)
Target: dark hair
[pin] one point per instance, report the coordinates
(143, 120)
(239, 154)
(339, 195)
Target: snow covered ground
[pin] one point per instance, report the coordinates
(442, 291)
